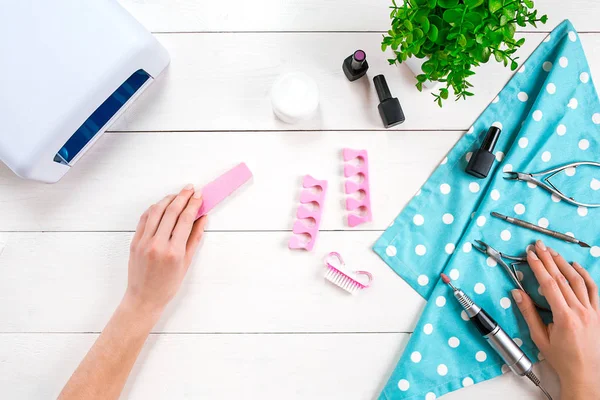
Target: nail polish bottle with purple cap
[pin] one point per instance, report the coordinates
(356, 65)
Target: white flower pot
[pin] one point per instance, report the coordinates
(415, 64)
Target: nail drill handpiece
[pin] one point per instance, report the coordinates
(498, 339)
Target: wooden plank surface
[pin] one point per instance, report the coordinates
(124, 173)
(310, 15)
(239, 282)
(225, 367)
(221, 82)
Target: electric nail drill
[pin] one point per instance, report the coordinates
(389, 107)
(498, 339)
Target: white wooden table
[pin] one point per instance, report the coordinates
(253, 320)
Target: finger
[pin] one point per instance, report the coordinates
(155, 214)
(544, 255)
(575, 280)
(537, 328)
(548, 284)
(592, 288)
(173, 211)
(185, 223)
(195, 238)
(141, 226)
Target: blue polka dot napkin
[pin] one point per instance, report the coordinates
(550, 115)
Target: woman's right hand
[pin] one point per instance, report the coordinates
(571, 344)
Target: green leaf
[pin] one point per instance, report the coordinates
(444, 94)
(499, 56)
(544, 19)
(485, 55)
(408, 24)
(503, 20)
(474, 17)
(447, 3)
(528, 3)
(425, 25)
(433, 33)
(474, 3)
(520, 42)
(428, 67)
(509, 31)
(495, 5)
(514, 65)
(431, 3)
(462, 40)
(452, 16)
(436, 20)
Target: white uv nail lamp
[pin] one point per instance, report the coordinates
(68, 69)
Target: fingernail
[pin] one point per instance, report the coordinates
(516, 294)
(197, 194)
(553, 252)
(189, 186)
(532, 255)
(577, 265)
(541, 245)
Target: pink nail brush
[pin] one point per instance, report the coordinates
(222, 187)
(338, 274)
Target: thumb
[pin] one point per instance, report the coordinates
(539, 332)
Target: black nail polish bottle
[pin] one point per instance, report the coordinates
(389, 107)
(356, 65)
(482, 160)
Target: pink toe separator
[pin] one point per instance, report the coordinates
(309, 196)
(360, 209)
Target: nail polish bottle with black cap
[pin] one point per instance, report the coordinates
(389, 107)
(356, 65)
(482, 160)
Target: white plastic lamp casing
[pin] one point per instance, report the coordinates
(295, 97)
(61, 61)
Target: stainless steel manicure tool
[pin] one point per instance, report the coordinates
(545, 231)
(511, 269)
(545, 183)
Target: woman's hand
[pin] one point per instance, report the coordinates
(572, 343)
(162, 249)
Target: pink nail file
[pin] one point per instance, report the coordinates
(222, 187)
(303, 214)
(360, 209)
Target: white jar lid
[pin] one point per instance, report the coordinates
(294, 97)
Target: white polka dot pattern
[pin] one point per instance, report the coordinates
(391, 251)
(403, 385)
(481, 356)
(416, 357)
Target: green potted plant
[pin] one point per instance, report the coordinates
(452, 37)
